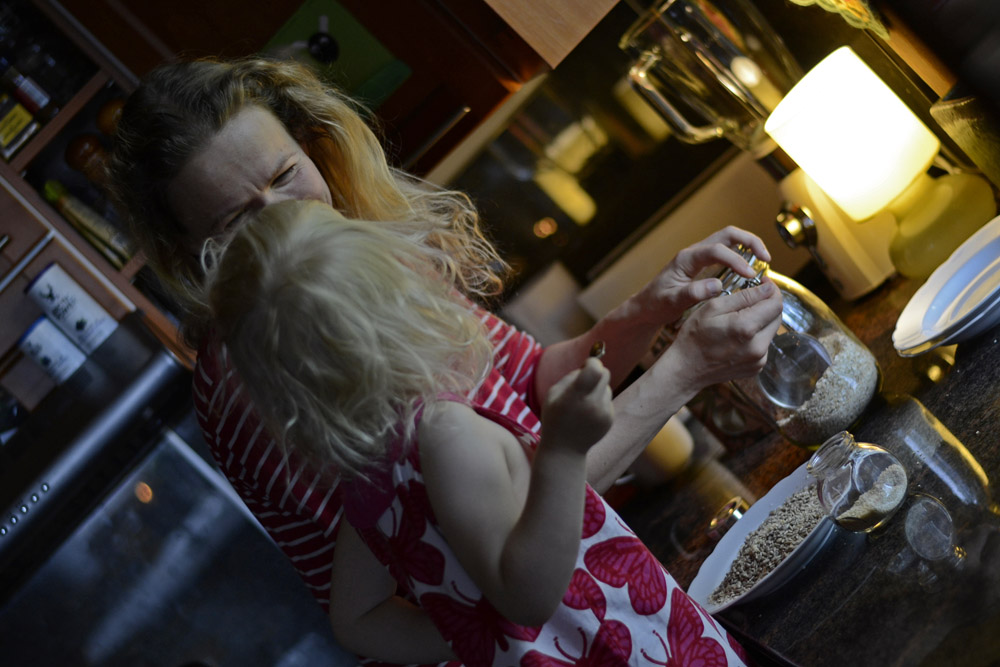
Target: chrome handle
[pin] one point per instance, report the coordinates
(797, 228)
(15, 270)
(638, 75)
(726, 517)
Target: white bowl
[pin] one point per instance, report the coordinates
(717, 565)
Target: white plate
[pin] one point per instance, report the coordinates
(715, 567)
(960, 300)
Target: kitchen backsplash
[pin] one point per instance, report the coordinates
(553, 306)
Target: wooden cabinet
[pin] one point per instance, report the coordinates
(34, 234)
(463, 58)
(21, 376)
(553, 28)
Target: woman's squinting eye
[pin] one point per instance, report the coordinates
(286, 175)
(233, 221)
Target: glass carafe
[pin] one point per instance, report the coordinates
(716, 58)
(839, 392)
(860, 485)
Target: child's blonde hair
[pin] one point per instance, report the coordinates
(341, 329)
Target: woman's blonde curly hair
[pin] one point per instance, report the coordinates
(340, 329)
(179, 107)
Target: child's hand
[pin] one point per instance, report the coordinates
(578, 411)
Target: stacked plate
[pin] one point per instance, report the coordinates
(959, 301)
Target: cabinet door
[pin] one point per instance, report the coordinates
(20, 230)
(455, 83)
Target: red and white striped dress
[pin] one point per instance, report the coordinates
(299, 508)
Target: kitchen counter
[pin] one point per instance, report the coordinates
(868, 599)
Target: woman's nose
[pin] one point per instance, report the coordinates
(269, 197)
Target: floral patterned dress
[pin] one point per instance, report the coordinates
(621, 608)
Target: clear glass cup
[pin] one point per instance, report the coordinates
(860, 485)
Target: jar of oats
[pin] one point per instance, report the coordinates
(819, 377)
(860, 485)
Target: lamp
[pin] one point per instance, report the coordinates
(869, 153)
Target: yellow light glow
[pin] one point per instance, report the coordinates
(545, 228)
(143, 492)
(566, 192)
(853, 136)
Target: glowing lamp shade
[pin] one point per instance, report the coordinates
(852, 135)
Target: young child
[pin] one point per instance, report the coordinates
(366, 361)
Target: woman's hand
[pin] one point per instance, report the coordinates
(665, 298)
(726, 338)
(577, 411)
(631, 328)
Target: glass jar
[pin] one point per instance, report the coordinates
(819, 377)
(859, 484)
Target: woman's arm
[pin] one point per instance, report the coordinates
(369, 619)
(726, 339)
(740, 328)
(516, 530)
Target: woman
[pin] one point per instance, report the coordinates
(202, 144)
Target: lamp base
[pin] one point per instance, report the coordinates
(951, 208)
(853, 256)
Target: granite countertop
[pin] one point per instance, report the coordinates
(868, 599)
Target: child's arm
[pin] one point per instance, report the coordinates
(368, 617)
(516, 530)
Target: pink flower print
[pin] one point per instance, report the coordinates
(368, 662)
(375, 541)
(684, 634)
(584, 593)
(528, 440)
(474, 629)
(733, 644)
(737, 648)
(611, 647)
(413, 496)
(407, 556)
(594, 514)
(623, 561)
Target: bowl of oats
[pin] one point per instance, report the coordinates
(776, 538)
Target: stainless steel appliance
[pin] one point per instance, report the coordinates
(716, 69)
(121, 545)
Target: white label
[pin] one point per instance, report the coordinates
(51, 349)
(73, 310)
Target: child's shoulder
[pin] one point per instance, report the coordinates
(445, 414)
(450, 422)
(465, 452)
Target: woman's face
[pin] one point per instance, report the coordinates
(252, 162)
